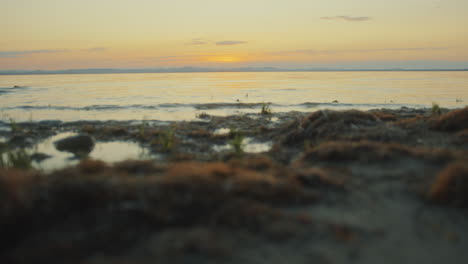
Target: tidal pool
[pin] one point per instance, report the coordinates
(249, 146)
(110, 152)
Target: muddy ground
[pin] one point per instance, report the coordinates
(381, 186)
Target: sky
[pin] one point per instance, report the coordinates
(293, 34)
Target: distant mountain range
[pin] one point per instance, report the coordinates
(197, 69)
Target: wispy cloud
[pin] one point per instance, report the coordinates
(230, 42)
(318, 52)
(197, 42)
(348, 18)
(95, 49)
(170, 58)
(21, 53)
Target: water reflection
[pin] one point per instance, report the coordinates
(106, 151)
(88, 97)
(249, 145)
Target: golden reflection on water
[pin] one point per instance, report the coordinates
(121, 96)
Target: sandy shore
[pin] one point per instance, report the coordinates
(381, 186)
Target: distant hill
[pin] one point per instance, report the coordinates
(198, 69)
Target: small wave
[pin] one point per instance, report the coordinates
(227, 105)
(209, 106)
(16, 88)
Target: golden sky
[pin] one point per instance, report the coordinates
(66, 34)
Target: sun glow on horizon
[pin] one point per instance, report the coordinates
(51, 34)
(225, 58)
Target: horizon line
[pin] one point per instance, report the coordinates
(190, 69)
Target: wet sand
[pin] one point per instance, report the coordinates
(380, 186)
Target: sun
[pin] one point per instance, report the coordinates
(225, 58)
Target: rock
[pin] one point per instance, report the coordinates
(78, 145)
(38, 157)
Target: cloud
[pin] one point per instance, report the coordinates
(95, 49)
(230, 42)
(197, 42)
(319, 52)
(170, 58)
(348, 18)
(21, 53)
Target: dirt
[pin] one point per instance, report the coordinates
(382, 186)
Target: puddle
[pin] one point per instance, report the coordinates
(5, 128)
(274, 119)
(249, 146)
(106, 151)
(118, 151)
(149, 123)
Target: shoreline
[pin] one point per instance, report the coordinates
(207, 70)
(378, 186)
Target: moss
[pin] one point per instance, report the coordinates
(89, 129)
(115, 131)
(455, 120)
(451, 185)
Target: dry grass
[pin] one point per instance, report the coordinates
(451, 185)
(200, 133)
(138, 167)
(411, 122)
(326, 125)
(455, 120)
(461, 137)
(15, 188)
(375, 151)
(129, 195)
(385, 116)
(321, 178)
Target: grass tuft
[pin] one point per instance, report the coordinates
(266, 109)
(167, 140)
(435, 109)
(237, 141)
(13, 125)
(18, 159)
(455, 120)
(451, 185)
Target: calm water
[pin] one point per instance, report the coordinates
(182, 96)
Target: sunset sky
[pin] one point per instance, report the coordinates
(71, 34)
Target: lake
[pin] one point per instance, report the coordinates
(184, 96)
